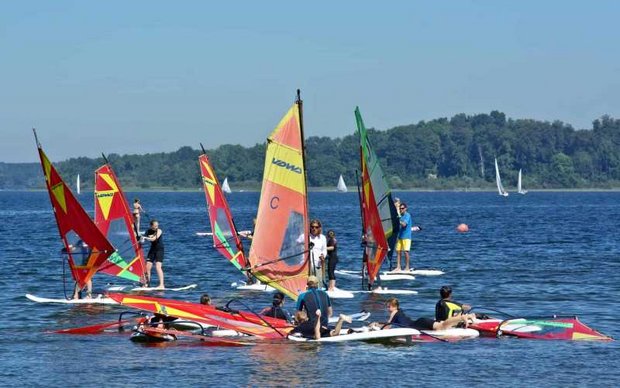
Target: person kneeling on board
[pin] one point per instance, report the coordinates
(399, 319)
(312, 329)
(277, 309)
(446, 307)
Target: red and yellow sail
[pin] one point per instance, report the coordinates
(114, 220)
(225, 238)
(379, 216)
(84, 244)
(279, 251)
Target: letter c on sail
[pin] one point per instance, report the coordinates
(274, 202)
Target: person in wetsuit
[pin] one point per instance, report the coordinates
(398, 318)
(277, 310)
(332, 259)
(314, 299)
(446, 307)
(156, 252)
(312, 329)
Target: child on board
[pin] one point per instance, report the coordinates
(398, 318)
(446, 307)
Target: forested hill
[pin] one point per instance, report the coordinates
(454, 153)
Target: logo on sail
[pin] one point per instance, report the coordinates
(288, 166)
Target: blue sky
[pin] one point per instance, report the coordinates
(151, 76)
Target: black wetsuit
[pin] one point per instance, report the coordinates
(156, 252)
(306, 329)
(332, 258)
(400, 319)
(277, 312)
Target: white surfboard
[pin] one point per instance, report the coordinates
(366, 335)
(99, 299)
(252, 287)
(340, 294)
(453, 333)
(359, 317)
(388, 291)
(385, 276)
(150, 289)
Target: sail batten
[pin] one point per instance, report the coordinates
(279, 251)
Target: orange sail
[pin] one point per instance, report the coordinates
(113, 218)
(279, 251)
(225, 238)
(84, 244)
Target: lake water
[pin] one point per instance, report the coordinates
(538, 254)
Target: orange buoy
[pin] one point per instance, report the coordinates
(462, 228)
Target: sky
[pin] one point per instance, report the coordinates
(152, 76)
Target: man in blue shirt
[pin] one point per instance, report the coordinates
(403, 244)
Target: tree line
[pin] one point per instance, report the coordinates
(456, 153)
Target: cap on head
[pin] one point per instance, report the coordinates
(445, 291)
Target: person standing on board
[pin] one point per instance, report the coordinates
(137, 209)
(318, 251)
(332, 259)
(403, 244)
(446, 307)
(390, 254)
(315, 299)
(156, 253)
(80, 251)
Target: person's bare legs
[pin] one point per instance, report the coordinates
(397, 269)
(341, 319)
(406, 261)
(160, 274)
(332, 285)
(453, 321)
(149, 269)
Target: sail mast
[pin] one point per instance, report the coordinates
(300, 105)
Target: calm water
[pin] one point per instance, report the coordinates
(537, 254)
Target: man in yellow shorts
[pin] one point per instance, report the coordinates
(403, 244)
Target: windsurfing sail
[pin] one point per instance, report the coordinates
(379, 215)
(225, 237)
(77, 184)
(544, 328)
(84, 244)
(519, 188)
(279, 251)
(498, 180)
(114, 220)
(342, 188)
(226, 187)
(242, 321)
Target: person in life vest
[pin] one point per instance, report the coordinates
(446, 307)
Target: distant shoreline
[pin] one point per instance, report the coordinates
(332, 190)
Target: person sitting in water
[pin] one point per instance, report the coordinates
(446, 307)
(205, 299)
(312, 329)
(277, 310)
(399, 319)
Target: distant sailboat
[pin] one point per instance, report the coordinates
(342, 188)
(77, 184)
(226, 187)
(498, 180)
(519, 188)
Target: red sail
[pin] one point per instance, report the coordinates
(114, 219)
(84, 244)
(225, 238)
